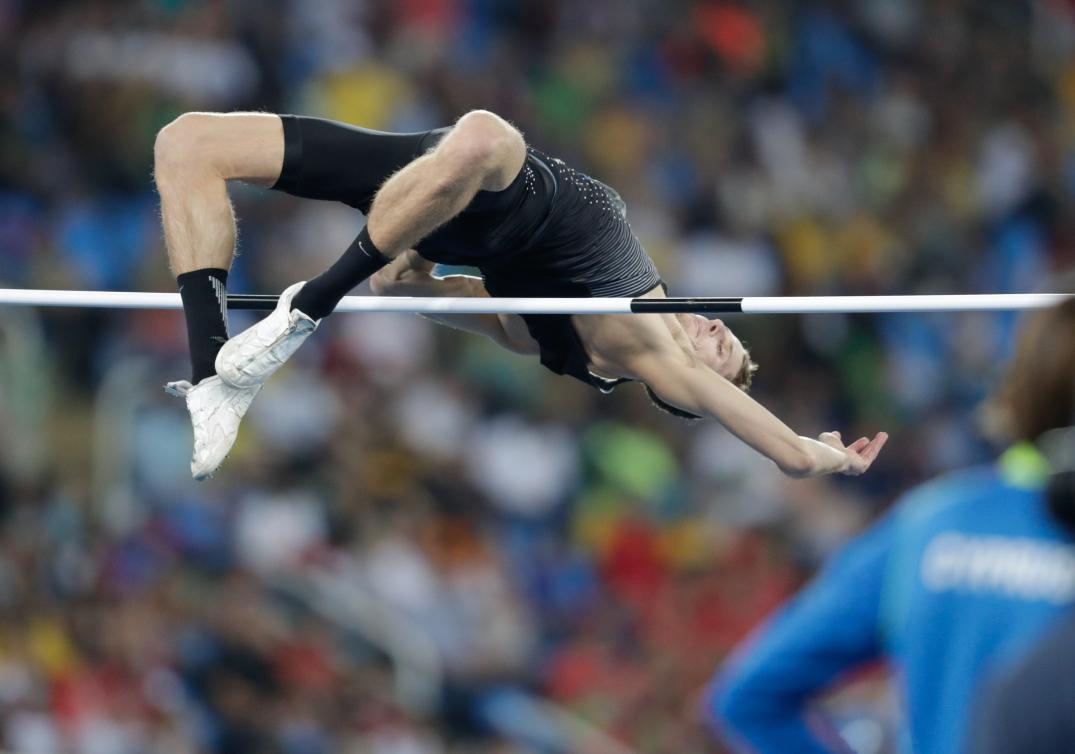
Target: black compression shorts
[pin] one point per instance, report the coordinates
(554, 231)
(325, 159)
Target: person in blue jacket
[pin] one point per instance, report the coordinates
(959, 579)
(1030, 709)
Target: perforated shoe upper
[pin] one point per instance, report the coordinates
(253, 355)
(216, 410)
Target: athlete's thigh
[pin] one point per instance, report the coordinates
(326, 159)
(247, 147)
(232, 146)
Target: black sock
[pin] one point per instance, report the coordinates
(320, 296)
(204, 294)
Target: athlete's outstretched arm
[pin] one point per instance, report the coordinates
(410, 274)
(654, 349)
(682, 380)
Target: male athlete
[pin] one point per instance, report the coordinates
(473, 194)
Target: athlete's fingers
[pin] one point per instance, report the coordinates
(878, 442)
(862, 452)
(858, 445)
(869, 453)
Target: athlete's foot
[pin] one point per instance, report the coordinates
(216, 409)
(248, 359)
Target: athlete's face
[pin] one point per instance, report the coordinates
(715, 345)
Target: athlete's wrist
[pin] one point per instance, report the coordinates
(824, 459)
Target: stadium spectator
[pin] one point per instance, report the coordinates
(958, 580)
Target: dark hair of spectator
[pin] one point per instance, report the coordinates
(1038, 391)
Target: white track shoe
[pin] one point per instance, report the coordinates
(250, 358)
(216, 409)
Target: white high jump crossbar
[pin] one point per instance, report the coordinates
(744, 304)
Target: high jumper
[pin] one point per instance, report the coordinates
(473, 194)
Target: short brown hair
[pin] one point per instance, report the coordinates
(742, 380)
(1038, 391)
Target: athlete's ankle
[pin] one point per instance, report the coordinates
(320, 296)
(315, 299)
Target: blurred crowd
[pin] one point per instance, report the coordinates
(532, 540)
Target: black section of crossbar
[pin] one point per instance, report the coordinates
(686, 305)
(252, 302)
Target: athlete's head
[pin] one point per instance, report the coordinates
(719, 349)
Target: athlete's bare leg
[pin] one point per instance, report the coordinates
(199, 153)
(194, 157)
(482, 152)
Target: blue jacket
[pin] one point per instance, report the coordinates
(960, 577)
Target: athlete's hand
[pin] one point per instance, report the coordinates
(415, 261)
(859, 454)
(409, 274)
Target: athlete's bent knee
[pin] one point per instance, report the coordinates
(181, 144)
(489, 144)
